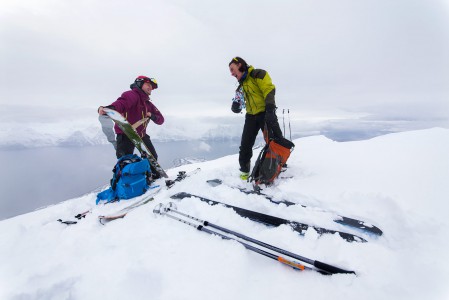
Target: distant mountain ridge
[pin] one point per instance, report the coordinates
(79, 135)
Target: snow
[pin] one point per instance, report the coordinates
(397, 182)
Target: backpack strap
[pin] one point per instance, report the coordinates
(140, 122)
(255, 172)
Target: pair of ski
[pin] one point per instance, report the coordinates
(273, 221)
(359, 225)
(170, 210)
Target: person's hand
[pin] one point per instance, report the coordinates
(101, 111)
(149, 115)
(270, 114)
(236, 107)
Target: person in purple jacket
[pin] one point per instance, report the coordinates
(136, 107)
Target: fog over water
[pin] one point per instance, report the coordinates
(43, 176)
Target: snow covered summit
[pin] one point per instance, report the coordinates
(397, 182)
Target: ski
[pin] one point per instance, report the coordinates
(83, 215)
(342, 220)
(123, 212)
(127, 128)
(268, 220)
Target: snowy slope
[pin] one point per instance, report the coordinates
(397, 182)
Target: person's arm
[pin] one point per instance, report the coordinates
(101, 109)
(122, 104)
(268, 89)
(155, 115)
(265, 84)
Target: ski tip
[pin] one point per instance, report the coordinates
(214, 182)
(181, 195)
(67, 222)
(360, 225)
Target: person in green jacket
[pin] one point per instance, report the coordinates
(256, 93)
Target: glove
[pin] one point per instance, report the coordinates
(236, 107)
(270, 114)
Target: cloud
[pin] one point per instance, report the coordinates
(203, 146)
(368, 56)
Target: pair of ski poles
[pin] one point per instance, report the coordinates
(170, 209)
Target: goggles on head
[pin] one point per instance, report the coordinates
(144, 79)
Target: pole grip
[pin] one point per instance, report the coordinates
(331, 269)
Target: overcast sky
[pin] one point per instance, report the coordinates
(383, 59)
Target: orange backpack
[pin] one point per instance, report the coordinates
(271, 159)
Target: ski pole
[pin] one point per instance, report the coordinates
(295, 265)
(289, 126)
(323, 266)
(283, 121)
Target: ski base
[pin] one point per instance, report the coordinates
(342, 220)
(123, 212)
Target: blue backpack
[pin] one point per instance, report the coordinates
(131, 178)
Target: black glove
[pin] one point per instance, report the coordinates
(270, 114)
(236, 107)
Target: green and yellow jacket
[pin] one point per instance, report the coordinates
(258, 90)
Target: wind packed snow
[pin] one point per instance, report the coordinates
(398, 182)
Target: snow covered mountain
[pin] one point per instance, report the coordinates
(81, 128)
(397, 182)
(86, 132)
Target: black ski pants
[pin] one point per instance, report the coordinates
(125, 145)
(254, 124)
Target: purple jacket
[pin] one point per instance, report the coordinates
(134, 105)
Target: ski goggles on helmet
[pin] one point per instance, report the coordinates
(143, 79)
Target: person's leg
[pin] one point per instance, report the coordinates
(249, 134)
(146, 139)
(124, 145)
